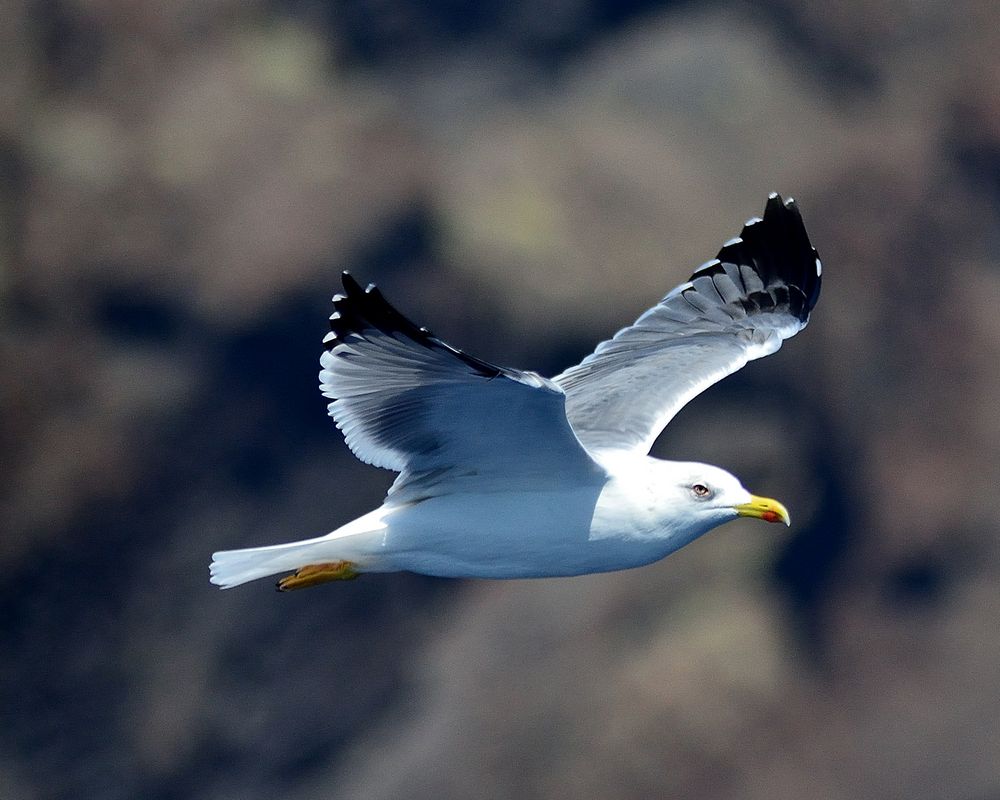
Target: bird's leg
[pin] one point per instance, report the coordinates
(314, 574)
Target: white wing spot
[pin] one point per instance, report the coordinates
(819, 268)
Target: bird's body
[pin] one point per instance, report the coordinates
(625, 520)
(505, 474)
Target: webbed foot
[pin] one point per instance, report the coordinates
(315, 574)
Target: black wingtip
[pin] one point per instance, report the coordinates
(777, 206)
(361, 312)
(351, 286)
(358, 310)
(778, 248)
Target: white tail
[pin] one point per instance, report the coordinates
(352, 542)
(230, 568)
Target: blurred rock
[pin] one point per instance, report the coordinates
(181, 186)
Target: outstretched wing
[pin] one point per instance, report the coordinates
(740, 306)
(408, 402)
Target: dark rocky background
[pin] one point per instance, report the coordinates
(180, 185)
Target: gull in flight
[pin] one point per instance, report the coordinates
(506, 474)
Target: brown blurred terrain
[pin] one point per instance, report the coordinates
(180, 186)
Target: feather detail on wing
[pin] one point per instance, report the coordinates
(740, 306)
(409, 402)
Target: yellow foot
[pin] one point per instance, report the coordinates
(314, 574)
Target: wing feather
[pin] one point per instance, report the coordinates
(409, 402)
(740, 306)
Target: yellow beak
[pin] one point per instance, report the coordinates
(764, 508)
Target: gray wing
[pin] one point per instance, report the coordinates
(408, 402)
(740, 306)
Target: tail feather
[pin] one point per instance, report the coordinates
(231, 568)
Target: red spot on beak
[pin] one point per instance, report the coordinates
(771, 516)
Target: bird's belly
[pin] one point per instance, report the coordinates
(508, 535)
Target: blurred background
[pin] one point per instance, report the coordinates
(181, 185)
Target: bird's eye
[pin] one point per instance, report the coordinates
(700, 490)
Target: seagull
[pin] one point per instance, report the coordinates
(506, 474)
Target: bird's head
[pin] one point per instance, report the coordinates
(713, 496)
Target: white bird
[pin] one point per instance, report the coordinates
(506, 474)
